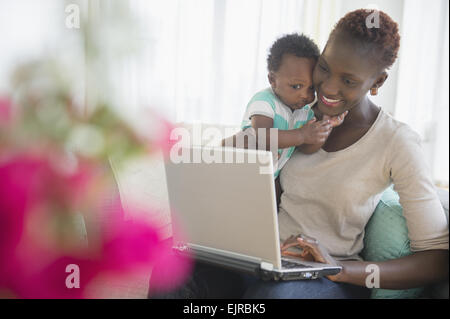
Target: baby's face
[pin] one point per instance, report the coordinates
(292, 83)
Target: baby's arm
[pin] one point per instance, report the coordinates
(311, 133)
(309, 137)
(333, 121)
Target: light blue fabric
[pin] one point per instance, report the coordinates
(266, 103)
(386, 237)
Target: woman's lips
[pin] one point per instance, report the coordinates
(329, 102)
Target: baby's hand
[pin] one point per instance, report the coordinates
(315, 132)
(335, 120)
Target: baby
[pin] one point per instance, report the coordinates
(286, 104)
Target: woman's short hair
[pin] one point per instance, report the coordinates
(374, 28)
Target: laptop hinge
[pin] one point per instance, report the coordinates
(266, 266)
(218, 257)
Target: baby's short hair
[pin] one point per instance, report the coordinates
(296, 44)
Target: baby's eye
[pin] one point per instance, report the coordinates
(349, 82)
(297, 86)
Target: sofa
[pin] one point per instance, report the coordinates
(386, 237)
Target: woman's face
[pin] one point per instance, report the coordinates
(344, 74)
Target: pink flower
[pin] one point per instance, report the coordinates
(5, 110)
(131, 247)
(32, 265)
(136, 246)
(16, 181)
(164, 141)
(160, 132)
(55, 280)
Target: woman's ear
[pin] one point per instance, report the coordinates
(378, 83)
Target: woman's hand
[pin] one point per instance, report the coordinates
(312, 250)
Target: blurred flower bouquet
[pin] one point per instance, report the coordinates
(55, 178)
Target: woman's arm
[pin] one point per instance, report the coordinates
(416, 270)
(425, 219)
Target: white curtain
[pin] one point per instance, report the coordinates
(28, 28)
(201, 60)
(423, 88)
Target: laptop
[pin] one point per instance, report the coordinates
(223, 200)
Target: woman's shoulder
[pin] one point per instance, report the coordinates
(395, 131)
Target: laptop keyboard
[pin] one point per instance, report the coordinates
(289, 264)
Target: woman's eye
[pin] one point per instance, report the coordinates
(297, 87)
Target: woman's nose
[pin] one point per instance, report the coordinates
(329, 88)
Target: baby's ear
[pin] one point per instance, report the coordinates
(271, 78)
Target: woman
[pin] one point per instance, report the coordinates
(329, 196)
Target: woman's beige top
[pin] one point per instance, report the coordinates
(331, 196)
